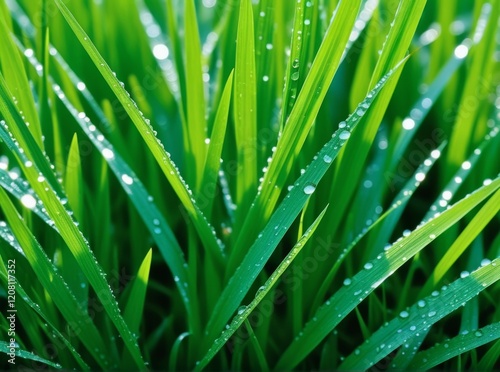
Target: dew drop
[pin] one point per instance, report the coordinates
(309, 189)
(344, 135)
(404, 314)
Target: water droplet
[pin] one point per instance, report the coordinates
(464, 274)
(344, 135)
(347, 282)
(28, 201)
(368, 265)
(309, 189)
(478, 333)
(421, 303)
(404, 314)
(127, 179)
(431, 313)
(108, 154)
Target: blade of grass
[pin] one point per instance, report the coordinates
(24, 354)
(473, 229)
(245, 111)
(206, 232)
(366, 281)
(261, 250)
(244, 311)
(297, 126)
(424, 314)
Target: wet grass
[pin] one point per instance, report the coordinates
(250, 185)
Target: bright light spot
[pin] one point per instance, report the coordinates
(127, 179)
(436, 154)
(29, 53)
(209, 3)
(426, 103)
(466, 165)
(420, 176)
(160, 51)
(408, 123)
(461, 51)
(447, 195)
(81, 86)
(108, 154)
(28, 201)
(458, 179)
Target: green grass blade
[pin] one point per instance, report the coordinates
(473, 229)
(195, 97)
(209, 182)
(73, 237)
(298, 125)
(366, 281)
(424, 314)
(244, 311)
(261, 250)
(458, 345)
(171, 172)
(59, 291)
(245, 110)
(134, 308)
(20, 292)
(24, 354)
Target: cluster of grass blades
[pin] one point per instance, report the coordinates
(250, 185)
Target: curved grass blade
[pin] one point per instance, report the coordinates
(24, 296)
(135, 305)
(490, 359)
(421, 316)
(473, 229)
(152, 217)
(244, 311)
(386, 222)
(24, 354)
(54, 284)
(458, 345)
(279, 223)
(206, 232)
(209, 181)
(245, 110)
(195, 98)
(17, 81)
(73, 237)
(298, 125)
(375, 273)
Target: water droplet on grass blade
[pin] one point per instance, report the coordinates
(309, 188)
(344, 135)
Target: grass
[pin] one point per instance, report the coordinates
(249, 185)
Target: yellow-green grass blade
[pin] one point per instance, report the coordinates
(67, 227)
(137, 193)
(5, 347)
(211, 167)
(244, 311)
(16, 78)
(21, 294)
(245, 111)
(134, 308)
(375, 272)
(298, 125)
(19, 128)
(473, 229)
(74, 191)
(394, 49)
(476, 88)
(281, 220)
(195, 97)
(171, 172)
(75, 315)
